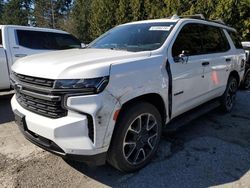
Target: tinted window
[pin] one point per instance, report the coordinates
(134, 37)
(189, 40)
(46, 40)
(236, 39)
(213, 40)
(1, 41)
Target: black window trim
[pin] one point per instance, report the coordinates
(234, 31)
(222, 30)
(20, 29)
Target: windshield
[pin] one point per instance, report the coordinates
(134, 37)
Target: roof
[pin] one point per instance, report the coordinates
(175, 18)
(32, 28)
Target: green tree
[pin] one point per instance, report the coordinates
(234, 13)
(205, 7)
(1, 9)
(123, 12)
(155, 9)
(79, 20)
(102, 16)
(16, 12)
(51, 13)
(138, 10)
(178, 7)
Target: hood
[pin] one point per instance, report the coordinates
(73, 64)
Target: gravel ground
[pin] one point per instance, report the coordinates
(213, 150)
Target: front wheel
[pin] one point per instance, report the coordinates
(229, 96)
(136, 137)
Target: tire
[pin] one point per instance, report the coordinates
(246, 82)
(133, 146)
(229, 96)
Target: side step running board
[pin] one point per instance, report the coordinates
(191, 115)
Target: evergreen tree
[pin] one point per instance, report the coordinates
(123, 12)
(234, 13)
(102, 16)
(51, 13)
(79, 20)
(138, 10)
(155, 9)
(1, 10)
(16, 12)
(91, 18)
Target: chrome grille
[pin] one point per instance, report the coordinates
(34, 80)
(31, 97)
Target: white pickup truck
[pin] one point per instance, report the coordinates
(20, 41)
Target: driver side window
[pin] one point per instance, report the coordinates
(188, 40)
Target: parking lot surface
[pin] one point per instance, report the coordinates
(213, 150)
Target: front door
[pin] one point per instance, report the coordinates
(188, 68)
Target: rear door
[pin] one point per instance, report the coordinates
(4, 72)
(217, 50)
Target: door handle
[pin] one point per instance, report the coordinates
(20, 55)
(228, 59)
(205, 63)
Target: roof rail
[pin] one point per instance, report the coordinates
(174, 17)
(195, 16)
(220, 21)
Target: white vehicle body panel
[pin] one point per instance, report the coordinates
(70, 64)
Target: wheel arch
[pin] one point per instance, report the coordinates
(235, 74)
(152, 98)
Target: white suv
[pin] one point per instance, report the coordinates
(111, 100)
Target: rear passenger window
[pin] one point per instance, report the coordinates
(1, 40)
(188, 40)
(46, 40)
(236, 39)
(213, 40)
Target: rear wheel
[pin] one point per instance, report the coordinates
(229, 96)
(136, 137)
(246, 83)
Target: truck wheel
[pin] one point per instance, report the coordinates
(229, 96)
(136, 137)
(246, 83)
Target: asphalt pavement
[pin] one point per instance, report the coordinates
(213, 150)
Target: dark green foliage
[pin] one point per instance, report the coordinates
(105, 14)
(102, 16)
(16, 12)
(51, 13)
(79, 20)
(1, 10)
(87, 19)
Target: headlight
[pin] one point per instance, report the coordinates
(93, 85)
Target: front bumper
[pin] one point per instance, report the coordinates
(52, 147)
(68, 136)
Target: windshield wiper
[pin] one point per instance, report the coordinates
(121, 49)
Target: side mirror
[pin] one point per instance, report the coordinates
(83, 45)
(183, 57)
